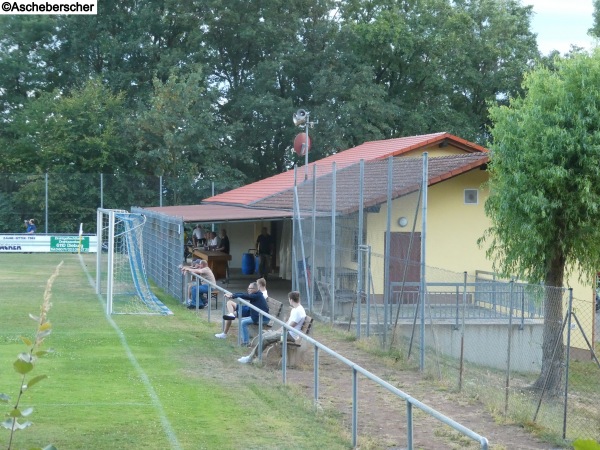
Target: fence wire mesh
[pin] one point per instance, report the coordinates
(518, 347)
(357, 247)
(164, 248)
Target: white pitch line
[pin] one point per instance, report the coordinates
(146, 381)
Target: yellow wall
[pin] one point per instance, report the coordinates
(434, 151)
(453, 229)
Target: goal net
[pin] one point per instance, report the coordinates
(120, 271)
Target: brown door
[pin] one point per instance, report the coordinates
(405, 265)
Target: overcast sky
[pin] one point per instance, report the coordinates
(560, 23)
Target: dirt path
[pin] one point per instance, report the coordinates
(382, 417)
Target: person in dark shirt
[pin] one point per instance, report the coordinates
(224, 244)
(257, 299)
(224, 247)
(264, 247)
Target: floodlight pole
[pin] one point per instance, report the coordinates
(302, 117)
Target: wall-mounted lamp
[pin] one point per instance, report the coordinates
(402, 222)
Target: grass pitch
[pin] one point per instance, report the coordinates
(152, 382)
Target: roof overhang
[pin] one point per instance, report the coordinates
(207, 213)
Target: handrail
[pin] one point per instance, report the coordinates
(410, 401)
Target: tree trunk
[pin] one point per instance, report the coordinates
(553, 349)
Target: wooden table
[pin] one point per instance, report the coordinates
(217, 261)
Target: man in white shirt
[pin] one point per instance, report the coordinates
(296, 320)
(197, 236)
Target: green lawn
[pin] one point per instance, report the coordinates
(149, 382)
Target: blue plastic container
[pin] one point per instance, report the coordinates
(248, 265)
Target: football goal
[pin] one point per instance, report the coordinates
(120, 271)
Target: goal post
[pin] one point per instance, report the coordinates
(120, 272)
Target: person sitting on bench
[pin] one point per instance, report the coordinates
(296, 320)
(257, 299)
(262, 287)
(204, 271)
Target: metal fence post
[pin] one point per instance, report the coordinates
(564, 433)
(313, 239)
(316, 375)
(510, 330)
(462, 334)
(46, 205)
(354, 407)
(409, 426)
(160, 190)
(386, 270)
(368, 290)
(359, 244)
(423, 257)
(333, 211)
(284, 356)
(294, 237)
(301, 243)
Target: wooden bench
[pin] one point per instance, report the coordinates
(295, 349)
(275, 310)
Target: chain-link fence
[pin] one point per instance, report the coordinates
(521, 349)
(163, 248)
(359, 246)
(359, 250)
(59, 202)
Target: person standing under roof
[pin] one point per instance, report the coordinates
(224, 247)
(264, 248)
(198, 236)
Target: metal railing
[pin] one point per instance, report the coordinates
(483, 301)
(356, 370)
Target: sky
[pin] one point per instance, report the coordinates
(560, 23)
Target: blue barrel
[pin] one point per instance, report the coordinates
(247, 263)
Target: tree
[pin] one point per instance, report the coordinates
(178, 137)
(128, 45)
(544, 199)
(595, 30)
(24, 48)
(77, 135)
(261, 57)
(441, 61)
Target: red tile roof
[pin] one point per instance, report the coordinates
(272, 198)
(369, 151)
(406, 178)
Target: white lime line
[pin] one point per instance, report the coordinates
(95, 404)
(145, 380)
